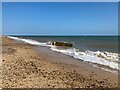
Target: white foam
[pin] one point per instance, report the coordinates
(33, 42)
(103, 58)
(108, 70)
(105, 55)
(89, 57)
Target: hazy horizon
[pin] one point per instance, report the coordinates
(54, 35)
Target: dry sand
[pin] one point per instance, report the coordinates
(27, 66)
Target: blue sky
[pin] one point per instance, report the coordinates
(65, 18)
(0, 18)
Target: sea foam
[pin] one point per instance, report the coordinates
(30, 41)
(103, 58)
(89, 57)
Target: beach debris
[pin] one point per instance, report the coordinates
(61, 44)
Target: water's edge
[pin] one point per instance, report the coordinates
(101, 58)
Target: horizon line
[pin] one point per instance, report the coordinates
(53, 35)
(60, 1)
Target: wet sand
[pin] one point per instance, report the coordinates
(27, 66)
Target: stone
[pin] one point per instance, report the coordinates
(61, 44)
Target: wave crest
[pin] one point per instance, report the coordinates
(98, 57)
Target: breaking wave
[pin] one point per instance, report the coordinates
(102, 58)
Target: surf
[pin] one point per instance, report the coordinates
(96, 57)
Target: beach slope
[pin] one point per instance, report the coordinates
(28, 66)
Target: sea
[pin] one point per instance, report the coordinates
(101, 50)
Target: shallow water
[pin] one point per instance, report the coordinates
(94, 43)
(98, 50)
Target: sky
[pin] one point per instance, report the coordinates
(60, 18)
(0, 18)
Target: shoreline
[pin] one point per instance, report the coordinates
(104, 59)
(31, 66)
(73, 60)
